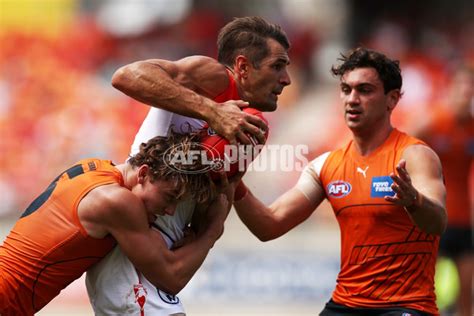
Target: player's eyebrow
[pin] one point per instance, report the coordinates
(283, 60)
(357, 85)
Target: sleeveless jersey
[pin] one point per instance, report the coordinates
(386, 260)
(114, 286)
(48, 248)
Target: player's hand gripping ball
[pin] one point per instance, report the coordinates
(231, 158)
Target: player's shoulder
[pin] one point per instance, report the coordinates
(315, 166)
(197, 63)
(400, 140)
(421, 155)
(188, 65)
(419, 151)
(198, 60)
(111, 199)
(203, 74)
(102, 205)
(322, 158)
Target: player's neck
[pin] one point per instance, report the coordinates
(367, 142)
(127, 174)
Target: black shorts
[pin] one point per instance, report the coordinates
(456, 241)
(334, 309)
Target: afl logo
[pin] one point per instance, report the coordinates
(339, 189)
(181, 158)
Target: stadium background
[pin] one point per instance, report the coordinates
(57, 106)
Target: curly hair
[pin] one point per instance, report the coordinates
(388, 70)
(248, 36)
(188, 177)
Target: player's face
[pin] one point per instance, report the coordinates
(366, 106)
(159, 197)
(264, 84)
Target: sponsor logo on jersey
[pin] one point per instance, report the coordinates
(363, 171)
(338, 189)
(381, 186)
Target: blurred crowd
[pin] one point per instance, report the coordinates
(57, 105)
(54, 111)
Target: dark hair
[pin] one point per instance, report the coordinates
(248, 36)
(187, 176)
(388, 69)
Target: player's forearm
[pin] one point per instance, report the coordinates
(428, 214)
(257, 217)
(180, 264)
(150, 84)
(191, 259)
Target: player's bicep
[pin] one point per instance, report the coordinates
(128, 223)
(144, 248)
(425, 170)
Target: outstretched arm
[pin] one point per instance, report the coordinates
(270, 222)
(420, 189)
(288, 211)
(187, 87)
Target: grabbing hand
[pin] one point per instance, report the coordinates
(226, 186)
(405, 193)
(233, 124)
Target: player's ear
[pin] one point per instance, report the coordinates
(393, 98)
(241, 66)
(142, 173)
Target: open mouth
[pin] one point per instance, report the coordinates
(353, 111)
(353, 114)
